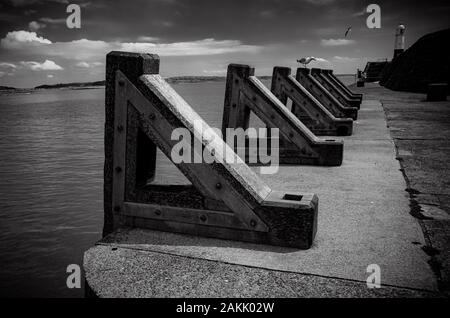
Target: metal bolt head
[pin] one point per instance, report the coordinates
(252, 223)
(118, 169)
(121, 83)
(218, 185)
(203, 218)
(158, 212)
(119, 128)
(151, 116)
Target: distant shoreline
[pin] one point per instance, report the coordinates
(98, 84)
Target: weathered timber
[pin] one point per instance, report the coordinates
(337, 81)
(304, 77)
(245, 93)
(334, 89)
(226, 199)
(306, 107)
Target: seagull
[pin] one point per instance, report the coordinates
(306, 60)
(348, 30)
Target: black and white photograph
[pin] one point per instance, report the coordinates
(225, 156)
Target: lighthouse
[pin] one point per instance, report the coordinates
(399, 40)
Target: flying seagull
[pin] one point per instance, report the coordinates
(306, 60)
(348, 30)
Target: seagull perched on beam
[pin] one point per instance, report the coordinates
(306, 60)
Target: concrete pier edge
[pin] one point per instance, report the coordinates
(121, 266)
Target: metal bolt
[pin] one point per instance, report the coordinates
(291, 135)
(119, 128)
(203, 218)
(118, 169)
(252, 223)
(158, 212)
(218, 185)
(117, 208)
(151, 116)
(121, 83)
(234, 104)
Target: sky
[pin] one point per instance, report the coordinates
(201, 37)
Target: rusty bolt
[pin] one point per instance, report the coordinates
(252, 223)
(118, 169)
(218, 185)
(203, 218)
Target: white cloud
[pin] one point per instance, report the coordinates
(46, 66)
(83, 64)
(200, 47)
(336, 42)
(319, 59)
(52, 20)
(50, 75)
(147, 39)
(5, 65)
(17, 39)
(35, 26)
(346, 58)
(87, 50)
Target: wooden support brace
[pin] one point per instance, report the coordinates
(337, 81)
(306, 107)
(334, 90)
(245, 92)
(226, 199)
(316, 89)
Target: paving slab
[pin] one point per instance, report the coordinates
(364, 218)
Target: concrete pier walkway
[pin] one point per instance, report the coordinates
(364, 218)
